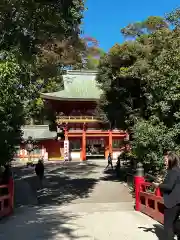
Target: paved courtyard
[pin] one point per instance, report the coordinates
(79, 202)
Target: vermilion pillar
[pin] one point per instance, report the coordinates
(84, 143)
(110, 141)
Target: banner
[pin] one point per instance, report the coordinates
(66, 150)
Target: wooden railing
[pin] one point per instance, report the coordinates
(77, 119)
(149, 200)
(7, 198)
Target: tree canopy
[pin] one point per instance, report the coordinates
(140, 80)
(27, 26)
(38, 40)
(44, 36)
(90, 54)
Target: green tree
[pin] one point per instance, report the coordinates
(90, 54)
(122, 98)
(140, 80)
(149, 141)
(27, 25)
(44, 36)
(11, 106)
(38, 39)
(150, 25)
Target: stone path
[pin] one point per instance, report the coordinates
(105, 214)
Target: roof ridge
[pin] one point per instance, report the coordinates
(81, 72)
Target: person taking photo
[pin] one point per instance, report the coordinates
(170, 188)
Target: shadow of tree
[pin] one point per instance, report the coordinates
(75, 169)
(69, 168)
(41, 223)
(63, 184)
(49, 217)
(19, 171)
(60, 190)
(121, 176)
(110, 175)
(157, 229)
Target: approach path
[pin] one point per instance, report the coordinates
(77, 202)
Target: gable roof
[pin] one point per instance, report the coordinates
(38, 132)
(78, 85)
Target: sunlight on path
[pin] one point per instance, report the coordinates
(65, 223)
(105, 213)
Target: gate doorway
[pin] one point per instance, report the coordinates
(95, 148)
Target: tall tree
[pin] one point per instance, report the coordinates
(90, 54)
(140, 80)
(11, 106)
(150, 25)
(38, 39)
(26, 26)
(44, 36)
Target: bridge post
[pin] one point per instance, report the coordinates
(138, 179)
(11, 193)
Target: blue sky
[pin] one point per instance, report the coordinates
(104, 18)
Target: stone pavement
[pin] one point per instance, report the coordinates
(105, 214)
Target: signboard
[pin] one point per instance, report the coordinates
(66, 150)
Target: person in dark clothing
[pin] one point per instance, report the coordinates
(171, 194)
(118, 165)
(39, 169)
(109, 161)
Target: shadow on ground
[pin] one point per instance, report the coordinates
(62, 185)
(123, 175)
(110, 175)
(40, 223)
(49, 218)
(19, 171)
(157, 229)
(40, 213)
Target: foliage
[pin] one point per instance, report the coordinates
(84, 53)
(27, 25)
(174, 18)
(150, 25)
(140, 80)
(89, 55)
(11, 107)
(149, 142)
(44, 36)
(38, 40)
(120, 93)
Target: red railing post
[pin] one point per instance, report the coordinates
(11, 192)
(158, 192)
(138, 179)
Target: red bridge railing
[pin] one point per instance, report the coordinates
(7, 198)
(148, 200)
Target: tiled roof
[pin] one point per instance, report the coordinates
(77, 85)
(37, 132)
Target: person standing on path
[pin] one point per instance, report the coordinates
(39, 169)
(171, 194)
(118, 166)
(109, 161)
